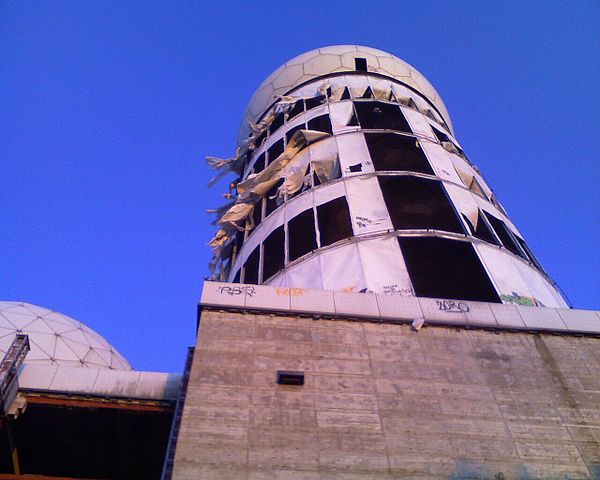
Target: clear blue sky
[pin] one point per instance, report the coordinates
(107, 109)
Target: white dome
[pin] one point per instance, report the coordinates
(56, 339)
(334, 59)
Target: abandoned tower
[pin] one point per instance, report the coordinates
(374, 313)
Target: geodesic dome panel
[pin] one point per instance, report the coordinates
(56, 339)
(332, 60)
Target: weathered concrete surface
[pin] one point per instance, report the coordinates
(384, 401)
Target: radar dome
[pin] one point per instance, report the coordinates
(56, 339)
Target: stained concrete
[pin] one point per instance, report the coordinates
(382, 401)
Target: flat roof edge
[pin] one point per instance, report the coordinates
(398, 309)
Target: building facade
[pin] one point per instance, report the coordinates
(377, 313)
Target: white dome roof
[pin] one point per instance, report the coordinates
(56, 339)
(333, 59)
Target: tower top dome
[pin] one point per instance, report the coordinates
(56, 339)
(337, 59)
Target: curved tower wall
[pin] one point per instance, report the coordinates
(352, 179)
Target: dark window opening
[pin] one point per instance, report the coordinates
(259, 165)
(277, 122)
(239, 241)
(260, 139)
(355, 168)
(286, 377)
(345, 94)
(441, 136)
(275, 150)
(396, 152)
(443, 268)
(392, 97)
(505, 235)
(368, 93)
(328, 92)
(353, 122)
(334, 221)
(320, 123)
(380, 115)
(257, 213)
(290, 133)
(411, 103)
(236, 279)
(316, 181)
(251, 267)
(273, 253)
(483, 232)
(418, 203)
(272, 199)
(296, 110)
(360, 64)
(314, 101)
(302, 237)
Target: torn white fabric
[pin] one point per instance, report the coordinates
(340, 114)
(368, 211)
(341, 269)
(440, 161)
(394, 279)
(324, 160)
(464, 202)
(354, 154)
(505, 276)
(306, 274)
(418, 123)
(538, 286)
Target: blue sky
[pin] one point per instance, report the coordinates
(107, 109)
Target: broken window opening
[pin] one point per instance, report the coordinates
(257, 213)
(275, 150)
(334, 221)
(393, 152)
(321, 123)
(272, 199)
(505, 235)
(444, 268)
(418, 203)
(441, 136)
(259, 165)
(392, 97)
(315, 179)
(302, 237)
(273, 253)
(353, 122)
(360, 64)
(368, 93)
(276, 123)
(236, 279)
(239, 242)
(476, 188)
(251, 267)
(260, 139)
(290, 133)
(484, 231)
(296, 110)
(314, 101)
(381, 115)
(345, 94)
(411, 103)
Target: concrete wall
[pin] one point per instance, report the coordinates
(385, 401)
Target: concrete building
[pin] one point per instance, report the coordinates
(375, 313)
(72, 406)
